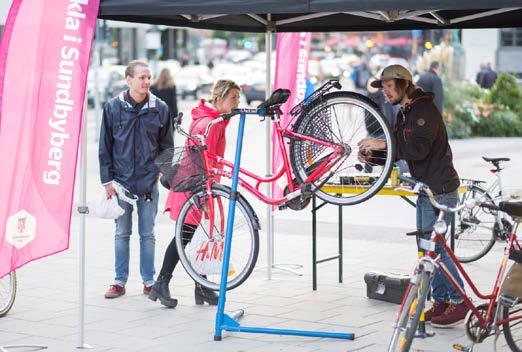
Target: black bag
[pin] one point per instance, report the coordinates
(386, 287)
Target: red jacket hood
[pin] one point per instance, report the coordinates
(204, 110)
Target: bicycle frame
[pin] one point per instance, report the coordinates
(337, 154)
(433, 257)
(494, 189)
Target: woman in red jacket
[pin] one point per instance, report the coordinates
(225, 98)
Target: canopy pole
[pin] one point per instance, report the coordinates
(268, 155)
(83, 210)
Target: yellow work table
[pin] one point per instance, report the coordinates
(352, 189)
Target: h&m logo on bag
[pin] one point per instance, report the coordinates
(211, 250)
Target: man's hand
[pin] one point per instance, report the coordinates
(110, 191)
(367, 145)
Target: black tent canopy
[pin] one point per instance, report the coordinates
(317, 15)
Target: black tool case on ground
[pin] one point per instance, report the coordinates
(385, 286)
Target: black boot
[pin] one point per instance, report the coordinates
(203, 294)
(160, 290)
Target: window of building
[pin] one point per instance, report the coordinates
(511, 37)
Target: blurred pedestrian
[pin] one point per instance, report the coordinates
(135, 129)
(430, 82)
(487, 77)
(360, 77)
(165, 89)
(224, 99)
(377, 96)
(482, 70)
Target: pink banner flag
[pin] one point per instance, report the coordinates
(292, 54)
(44, 60)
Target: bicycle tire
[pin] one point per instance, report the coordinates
(352, 114)
(473, 238)
(513, 330)
(410, 312)
(242, 262)
(7, 293)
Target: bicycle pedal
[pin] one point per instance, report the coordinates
(459, 347)
(508, 300)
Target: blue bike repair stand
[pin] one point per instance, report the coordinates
(230, 323)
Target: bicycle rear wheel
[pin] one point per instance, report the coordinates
(343, 119)
(513, 329)
(410, 312)
(7, 293)
(474, 228)
(245, 238)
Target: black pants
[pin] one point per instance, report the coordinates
(171, 255)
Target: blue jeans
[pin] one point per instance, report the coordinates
(147, 211)
(441, 288)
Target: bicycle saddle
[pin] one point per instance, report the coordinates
(471, 180)
(278, 97)
(495, 160)
(512, 208)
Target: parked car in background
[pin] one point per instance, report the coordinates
(108, 76)
(193, 80)
(254, 91)
(173, 65)
(238, 73)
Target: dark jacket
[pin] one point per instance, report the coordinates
(168, 95)
(487, 78)
(431, 82)
(422, 141)
(130, 139)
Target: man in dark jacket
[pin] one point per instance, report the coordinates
(135, 129)
(487, 77)
(422, 141)
(430, 82)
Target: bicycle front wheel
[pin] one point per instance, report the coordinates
(410, 312)
(342, 119)
(513, 329)
(474, 228)
(195, 220)
(7, 293)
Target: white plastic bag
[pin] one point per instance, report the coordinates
(206, 255)
(105, 208)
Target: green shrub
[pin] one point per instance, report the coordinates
(461, 125)
(506, 92)
(501, 123)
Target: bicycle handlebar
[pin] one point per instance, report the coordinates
(419, 188)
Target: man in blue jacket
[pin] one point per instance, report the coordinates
(135, 129)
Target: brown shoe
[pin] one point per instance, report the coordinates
(453, 315)
(436, 309)
(146, 289)
(115, 291)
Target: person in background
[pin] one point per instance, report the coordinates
(487, 77)
(224, 99)
(360, 77)
(430, 82)
(135, 129)
(422, 140)
(377, 96)
(482, 70)
(165, 89)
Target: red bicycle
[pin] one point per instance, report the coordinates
(323, 136)
(502, 309)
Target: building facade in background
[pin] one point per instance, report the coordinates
(500, 47)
